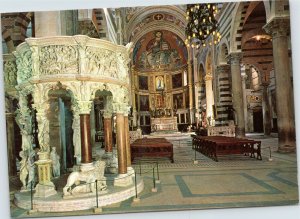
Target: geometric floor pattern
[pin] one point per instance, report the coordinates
(234, 181)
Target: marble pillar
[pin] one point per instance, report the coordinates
(108, 133)
(47, 23)
(279, 28)
(266, 110)
(225, 98)
(191, 98)
(209, 98)
(237, 93)
(12, 168)
(127, 140)
(121, 144)
(85, 133)
(244, 78)
(124, 177)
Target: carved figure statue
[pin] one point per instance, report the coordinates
(55, 162)
(89, 177)
(76, 138)
(23, 169)
(31, 169)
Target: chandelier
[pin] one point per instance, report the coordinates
(201, 24)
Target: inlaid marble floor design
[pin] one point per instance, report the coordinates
(234, 181)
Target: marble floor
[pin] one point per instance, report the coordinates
(233, 182)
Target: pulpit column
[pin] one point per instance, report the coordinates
(108, 133)
(85, 132)
(279, 28)
(127, 140)
(124, 178)
(237, 93)
(121, 143)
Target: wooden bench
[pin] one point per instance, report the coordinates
(152, 147)
(213, 146)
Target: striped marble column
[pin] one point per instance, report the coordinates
(225, 98)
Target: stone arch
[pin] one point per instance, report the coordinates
(19, 28)
(60, 115)
(267, 4)
(146, 11)
(237, 25)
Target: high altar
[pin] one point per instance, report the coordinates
(164, 124)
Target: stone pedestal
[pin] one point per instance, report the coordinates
(123, 180)
(45, 187)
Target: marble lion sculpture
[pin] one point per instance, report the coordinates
(73, 185)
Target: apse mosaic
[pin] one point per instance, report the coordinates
(159, 49)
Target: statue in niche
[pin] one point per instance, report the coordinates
(159, 83)
(76, 138)
(23, 169)
(55, 163)
(43, 134)
(31, 169)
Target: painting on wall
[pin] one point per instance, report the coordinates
(144, 103)
(177, 80)
(178, 101)
(143, 82)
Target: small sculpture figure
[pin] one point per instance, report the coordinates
(55, 163)
(31, 169)
(23, 169)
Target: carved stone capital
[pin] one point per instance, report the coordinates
(107, 115)
(85, 107)
(208, 77)
(121, 108)
(235, 58)
(278, 27)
